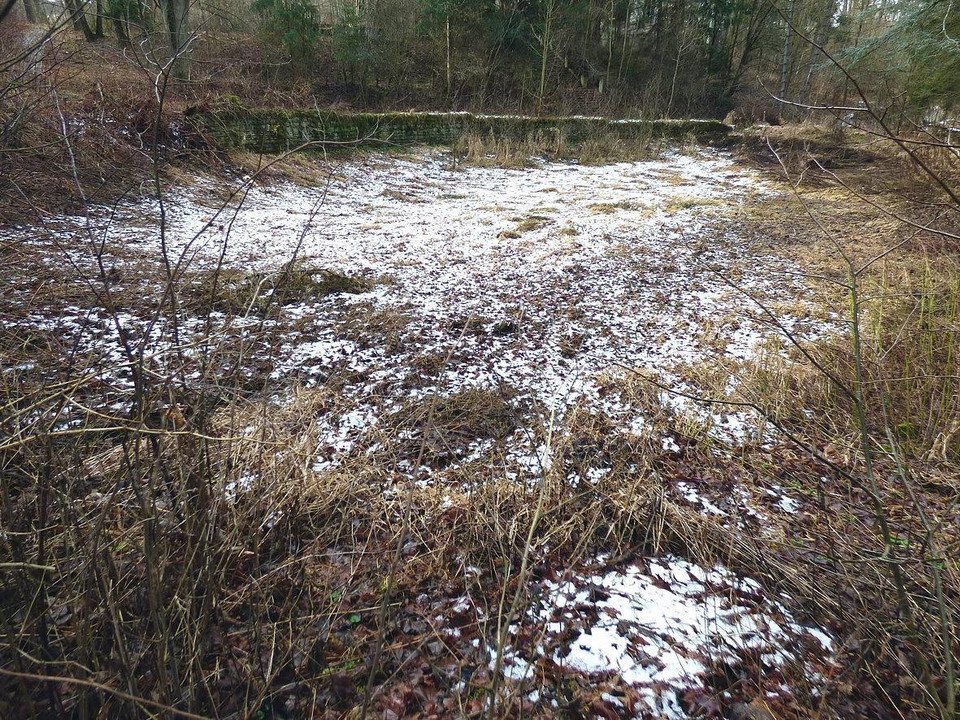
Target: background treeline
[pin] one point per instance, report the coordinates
(656, 57)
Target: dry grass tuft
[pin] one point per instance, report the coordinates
(533, 222)
(687, 202)
(234, 292)
(442, 428)
(525, 225)
(368, 325)
(609, 208)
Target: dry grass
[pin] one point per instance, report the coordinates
(533, 222)
(525, 225)
(687, 202)
(440, 429)
(908, 290)
(234, 292)
(496, 152)
(197, 559)
(244, 581)
(604, 149)
(306, 169)
(610, 208)
(511, 153)
(369, 325)
(906, 280)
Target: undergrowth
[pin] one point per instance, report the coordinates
(178, 553)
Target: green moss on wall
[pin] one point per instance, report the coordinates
(272, 131)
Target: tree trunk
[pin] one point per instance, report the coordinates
(856, 44)
(787, 38)
(449, 82)
(177, 14)
(120, 30)
(818, 39)
(611, 39)
(32, 11)
(757, 15)
(98, 22)
(80, 19)
(623, 48)
(673, 81)
(544, 53)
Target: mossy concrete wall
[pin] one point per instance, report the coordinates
(272, 131)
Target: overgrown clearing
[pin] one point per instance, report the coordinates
(598, 407)
(399, 435)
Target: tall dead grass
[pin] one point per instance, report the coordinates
(202, 567)
(877, 403)
(599, 149)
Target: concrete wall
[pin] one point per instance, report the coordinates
(272, 131)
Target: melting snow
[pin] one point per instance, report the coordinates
(661, 628)
(540, 280)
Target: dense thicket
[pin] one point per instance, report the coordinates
(662, 57)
